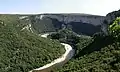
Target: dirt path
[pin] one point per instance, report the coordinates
(59, 62)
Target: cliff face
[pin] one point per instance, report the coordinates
(79, 23)
(109, 19)
(67, 18)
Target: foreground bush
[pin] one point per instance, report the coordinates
(114, 29)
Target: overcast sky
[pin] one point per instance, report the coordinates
(97, 7)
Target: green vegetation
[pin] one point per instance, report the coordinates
(99, 53)
(105, 60)
(22, 51)
(114, 29)
(66, 36)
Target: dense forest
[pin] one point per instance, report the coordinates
(21, 50)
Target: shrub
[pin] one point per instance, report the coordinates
(114, 29)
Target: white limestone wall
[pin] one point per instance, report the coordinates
(95, 20)
(23, 17)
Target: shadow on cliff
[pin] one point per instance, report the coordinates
(78, 27)
(57, 24)
(85, 28)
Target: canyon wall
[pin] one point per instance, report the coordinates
(80, 23)
(67, 18)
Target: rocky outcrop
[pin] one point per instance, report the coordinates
(109, 18)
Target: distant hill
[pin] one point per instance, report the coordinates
(80, 23)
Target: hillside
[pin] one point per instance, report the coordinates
(105, 60)
(95, 54)
(100, 53)
(21, 50)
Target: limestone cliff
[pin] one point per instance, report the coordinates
(79, 23)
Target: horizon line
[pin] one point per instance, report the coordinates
(51, 13)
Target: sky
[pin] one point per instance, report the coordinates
(96, 7)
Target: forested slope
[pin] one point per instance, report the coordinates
(21, 50)
(92, 57)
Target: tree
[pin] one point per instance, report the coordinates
(114, 29)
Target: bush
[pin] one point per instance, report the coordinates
(114, 29)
